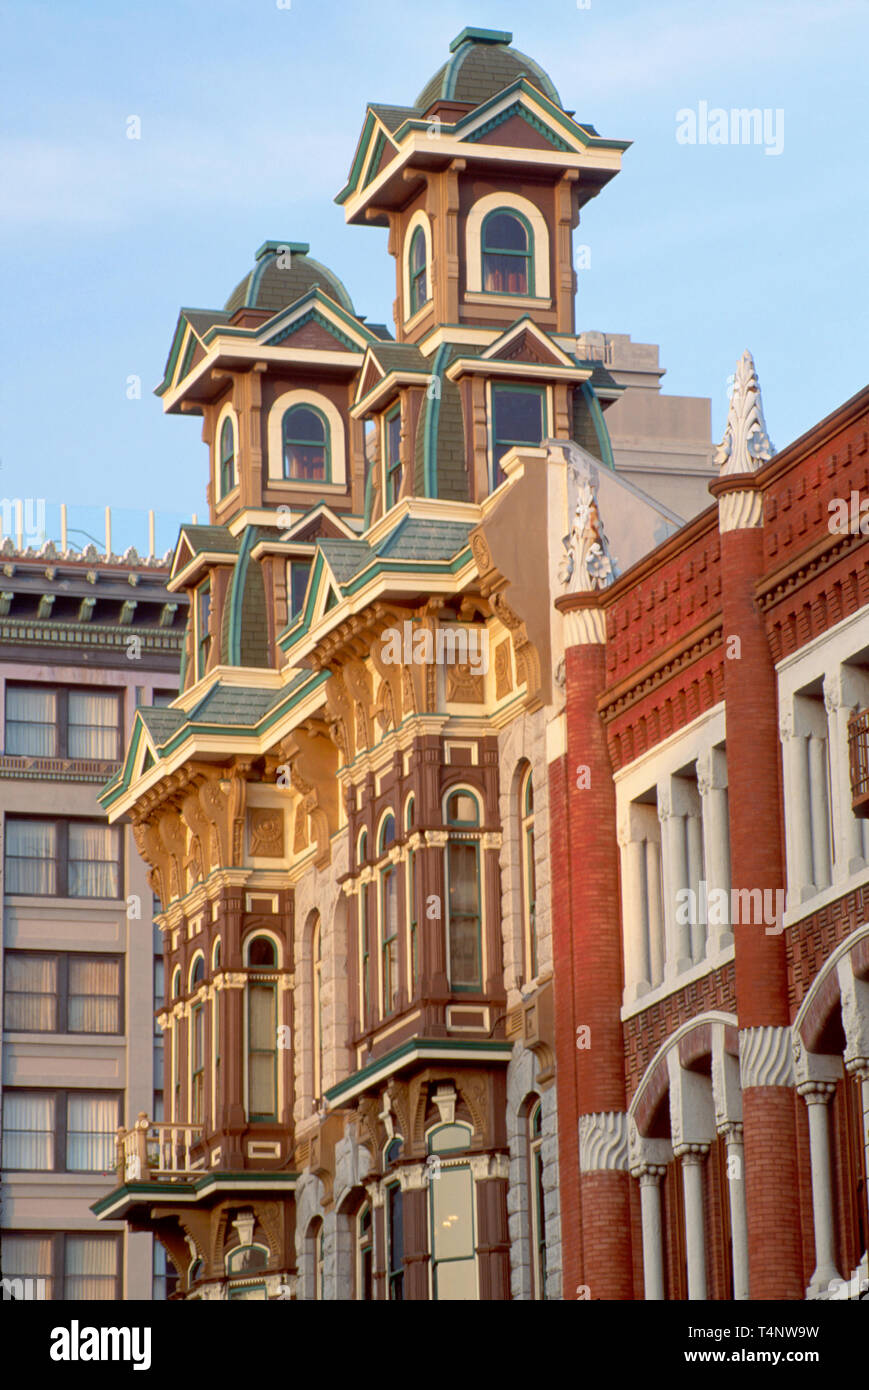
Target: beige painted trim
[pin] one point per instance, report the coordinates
(493, 366)
(420, 219)
(510, 301)
(473, 245)
(337, 443)
(472, 337)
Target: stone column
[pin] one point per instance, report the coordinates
(634, 912)
(649, 1177)
(732, 1133)
(693, 1157)
(798, 820)
(712, 786)
(655, 912)
(675, 864)
(817, 1095)
(820, 811)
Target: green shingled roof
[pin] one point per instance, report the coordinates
(273, 286)
(235, 704)
(418, 539)
(202, 538)
(161, 722)
(481, 65)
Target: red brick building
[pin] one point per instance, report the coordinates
(711, 954)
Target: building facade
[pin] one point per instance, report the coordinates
(420, 816)
(85, 639)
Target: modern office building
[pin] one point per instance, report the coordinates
(85, 638)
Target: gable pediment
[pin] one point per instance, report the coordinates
(520, 128)
(526, 342)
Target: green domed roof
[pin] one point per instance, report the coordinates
(482, 64)
(283, 273)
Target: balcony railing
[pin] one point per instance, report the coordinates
(158, 1150)
(858, 749)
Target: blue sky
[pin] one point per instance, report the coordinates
(249, 118)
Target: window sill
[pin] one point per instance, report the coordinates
(824, 896)
(419, 315)
(630, 1008)
(16, 1037)
(518, 301)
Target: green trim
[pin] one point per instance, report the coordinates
(391, 466)
(176, 1190)
(518, 109)
(359, 158)
(297, 248)
(188, 356)
(313, 316)
(481, 36)
(426, 1048)
(379, 146)
(236, 598)
(432, 420)
(600, 428)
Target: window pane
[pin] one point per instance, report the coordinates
(30, 856)
(302, 425)
(30, 1001)
(94, 995)
(518, 417)
(31, 719)
(452, 1215)
(93, 725)
(28, 1257)
(262, 1084)
(464, 915)
(505, 274)
(28, 1131)
(505, 233)
(91, 1126)
(91, 1267)
(262, 1017)
(393, 437)
(94, 871)
(457, 1281)
(300, 571)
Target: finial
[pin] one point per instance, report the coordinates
(746, 446)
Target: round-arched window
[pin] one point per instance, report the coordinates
(197, 975)
(387, 834)
(227, 457)
(507, 259)
(261, 953)
(306, 445)
(417, 268)
(462, 809)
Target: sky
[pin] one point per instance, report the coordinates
(249, 114)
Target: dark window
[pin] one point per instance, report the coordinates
(517, 419)
(306, 445)
(71, 1266)
(63, 993)
(393, 457)
(261, 953)
(227, 458)
(365, 1269)
(394, 1244)
(463, 879)
(299, 574)
(203, 623)
(62, 858)
(418, 277)
(507, 261)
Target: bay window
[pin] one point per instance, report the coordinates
(464, 918)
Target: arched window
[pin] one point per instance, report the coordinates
(197, 970)
(388, 919)
(197, 1064)
(362, 847)
(410, 890)
(508, 254)
(464, 922)
(364, 1254)
(262, 1071)
(227, 457)
(306, 453)
(317, 1006)
(529, 884)
(176, 982)
(417, 272)
(535, 1200)
(451, 1214)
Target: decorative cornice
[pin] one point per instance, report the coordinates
(765, 1057)
(603, 1142)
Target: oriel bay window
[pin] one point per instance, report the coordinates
(60, 1131)
(518, 417)
(388, 919)
(464, 937)
(62, 993)
(412, 917)
(62, 858)
(57, 722)
(306, 453)
(262, 1031)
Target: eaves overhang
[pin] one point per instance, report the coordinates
(189, 1192)
(418, 1052)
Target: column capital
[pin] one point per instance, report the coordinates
(817, 1092)
(691, 1153)
(732, 1131)
(858, 1066)
(649, 1174)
